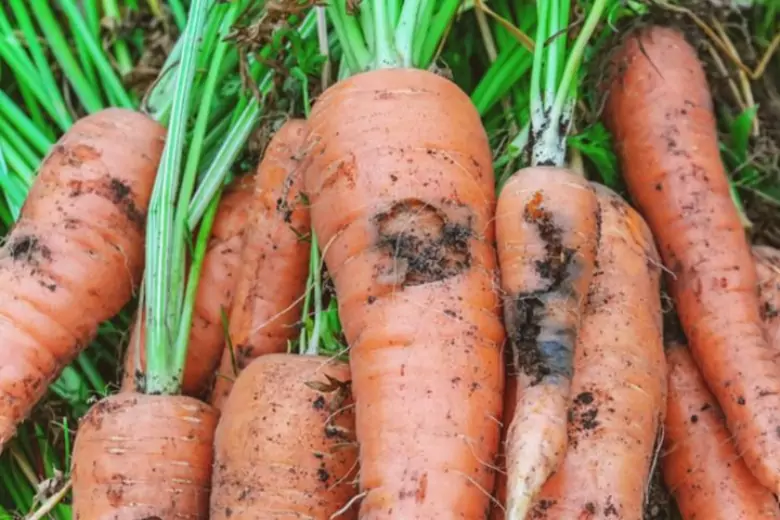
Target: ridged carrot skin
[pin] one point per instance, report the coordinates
(274, 263)
(399, 176)
(215, 294)
(285, 445)
(661, 115)
(547, 227)
(142, 456)
(701, 465)
(619, 385)
(76, 255)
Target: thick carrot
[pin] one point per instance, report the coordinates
(274, 262)
(215, 294)
(285, 444)
(547, 226)
(701, 466)
(768, 268)
(660, 112)
(619, 384)
(400, 180)
(76, 254)
(143, 456)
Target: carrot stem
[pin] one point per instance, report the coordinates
(121, 51)
(386, 55)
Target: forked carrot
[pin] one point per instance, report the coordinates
(215, 294)
(660, 112)
(285, 444)
(619, 384)
(76, 254)
(271, 280)
(701, 465)
(547, 227)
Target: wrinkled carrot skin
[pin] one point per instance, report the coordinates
(285, 445)
(400, 180)
(76, 254)
(768, 269)
(274, 263)
(619, 383)
(143, 456)
(547, 227)
(215, 293)
(498, 509)
(660, 112)
(701, 466)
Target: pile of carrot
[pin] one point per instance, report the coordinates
(508, 356)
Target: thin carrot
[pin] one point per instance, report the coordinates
(660, 112)
(701, 465)
(285, 444)
(75, 256)
(215, 294)
(767, 260)
(271, 280)
(163, 473)
(547, 224)
(498, 509)
(619, 384)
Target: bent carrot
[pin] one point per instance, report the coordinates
(768, 269)
(285, 444)
(119, 472)
(76, 254)
(660, 112)
(619, 379)
(215, 293)
(400, 179)
(547, 227)
(701, 465)
(274, 262)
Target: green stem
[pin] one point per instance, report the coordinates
(315, 268)
(386, 55)
(434, 32)
(121, 50)
(405, 31)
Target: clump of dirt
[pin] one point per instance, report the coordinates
(422, 244)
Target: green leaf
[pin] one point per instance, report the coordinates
(739, 132)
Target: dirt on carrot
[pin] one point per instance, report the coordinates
(768, 269)
(619, 385)
(285, 446)
(399, 176)
(271, 280)
(75, 256)
(144, 456)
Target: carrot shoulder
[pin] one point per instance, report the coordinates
(701, 465)
(619, 384)
(215, 293)
(285, 444)
(76, 254)
(547, 227)
(660, 112)
(400, 180)
(271, 280)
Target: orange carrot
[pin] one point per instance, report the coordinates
(547, 226)
(619, 379)
(399, 176)
(702, 468)
(215, 293)
(143, 456)
(76, 254)
(768, 268)
(498, 509)
(274, 263)
(660, 112)
(285, 444)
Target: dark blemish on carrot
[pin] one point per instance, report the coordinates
(694, 418)
(584, 398)
(323, 475)
(319, 403)
(590, 508)
(740, 400)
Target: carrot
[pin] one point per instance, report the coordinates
(619, 385)
(215, 293)
(660, 112)
(143, 456)
(285, 444)
(75, 256)
(274, 261)
(768, 269)
(401, 187)
(547, 226)
(498, 510)
(701, 465)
